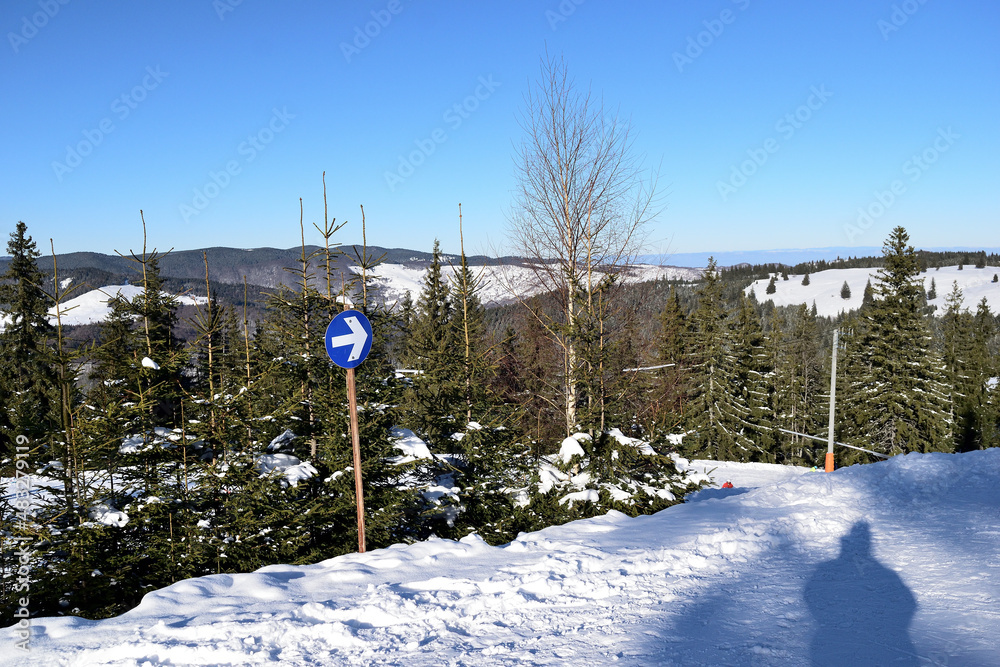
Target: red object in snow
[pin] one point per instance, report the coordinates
(727, 485)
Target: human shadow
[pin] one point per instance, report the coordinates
(862, 609)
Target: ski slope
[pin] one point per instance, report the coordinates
(824, 288)
(890, 563)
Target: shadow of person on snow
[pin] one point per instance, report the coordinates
(862, 609)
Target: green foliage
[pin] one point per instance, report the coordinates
(897, 397)
(27, 377)
(435, 399)
(800, 382)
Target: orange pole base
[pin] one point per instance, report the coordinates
(829, 462)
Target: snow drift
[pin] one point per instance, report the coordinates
(889, 563)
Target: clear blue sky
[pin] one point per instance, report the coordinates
(198, 82)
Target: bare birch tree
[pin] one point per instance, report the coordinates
(581, 204)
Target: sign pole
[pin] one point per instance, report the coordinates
(352, 399)
(833, 401)
(348, 342)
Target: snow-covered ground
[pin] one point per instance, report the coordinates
(396, 280)
(824, 288)
(92, 306)
(889, 563)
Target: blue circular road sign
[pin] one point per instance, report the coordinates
(349, 339)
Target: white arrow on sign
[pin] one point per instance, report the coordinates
(358, 337)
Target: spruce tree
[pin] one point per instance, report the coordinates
(845, 291)
(771, 287)
(671, 387)
(801, 379)
(869, 295)
(745, 407)
(436, 397)
(706, 350)
(897, 397)
(469, 322)
(805, 279)
(932, 292)
(27, 374)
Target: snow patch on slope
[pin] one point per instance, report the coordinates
(824, 288)
(395, 280)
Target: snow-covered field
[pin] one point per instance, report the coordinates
(824, 288)
(396, 280)
(890, 563)
(92, 306)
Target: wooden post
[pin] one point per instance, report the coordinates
(352, 399)
(833, 401)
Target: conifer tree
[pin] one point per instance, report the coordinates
(897, 394)
(845, 291)
(869, 296)
(745, 408)
(800, 381)
(470, 331)
(706, 350)
(436, 396)
(965, 339)
(27, 375)
(671, 385)
(805, 279)
(771, 287)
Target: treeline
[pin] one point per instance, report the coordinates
(926, 259)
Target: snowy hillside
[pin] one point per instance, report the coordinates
(91, 307)
(890, 563)
(395, 280)
(824, 288)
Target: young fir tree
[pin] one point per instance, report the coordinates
(985, 332)
(435, 399)
(897, 396)
(805, 279)
(706, 353)
(800, 382)
(965, 339)
(27, 374)
(869, 295)
(745, 408)
(469, 321)
(845, 291)
(771, 286)
(671, 386)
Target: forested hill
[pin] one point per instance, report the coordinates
(267, 267)
(261, 266)
(926, 258)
